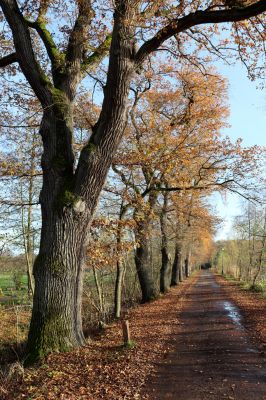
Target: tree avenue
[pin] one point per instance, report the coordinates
(54, 60)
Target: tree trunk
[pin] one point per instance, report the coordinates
(120, 267)
(69, 198)
(187, 265)
(175, 279)
(181, 270)
(28, 251)
(56, 316)
(28, 242)
(142, 259)
(260, 253)
(56, 323)
(165, 268)
(164, 271)
(143, 256)
(143, 263)
(120, 272)
(99, 293)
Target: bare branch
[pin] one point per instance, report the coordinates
(191, 187)
(7, 60)
(194, 19)
(24, 50)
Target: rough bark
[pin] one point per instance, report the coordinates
(166, 260)
(68, 200)
(176, 268)
(56, 315)
(143, 252)
(143, 263)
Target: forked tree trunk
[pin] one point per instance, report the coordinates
(58, 269)
(69, 198)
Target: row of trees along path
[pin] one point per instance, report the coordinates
(54, 60)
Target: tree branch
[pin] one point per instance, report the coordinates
(194, 19)
(43, 8)
(55, 55)
(181, 188)
(126, 181)
(96, 57)
(25, 54)
(78, 35)
(7, 60)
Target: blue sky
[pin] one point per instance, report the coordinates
(248, 121)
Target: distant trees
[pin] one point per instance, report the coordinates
(20, 186)
(245, 255)
(55, 49)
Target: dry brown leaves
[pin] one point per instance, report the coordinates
(14, 324)
(104, 369)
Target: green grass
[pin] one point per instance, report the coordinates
(8, 292)
(257, 288)
(229, 277)
(130, 345)
(7, 282)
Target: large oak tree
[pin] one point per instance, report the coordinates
(71, 188)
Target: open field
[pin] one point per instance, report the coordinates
(7, 281)
(13, 288)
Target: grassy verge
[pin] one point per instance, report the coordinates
(259, 288)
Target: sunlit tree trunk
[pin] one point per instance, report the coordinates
(143, 262)
(143, 257)
(120, 267)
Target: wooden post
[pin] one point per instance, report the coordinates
(126, 333)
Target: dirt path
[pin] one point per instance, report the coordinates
(213, 357)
